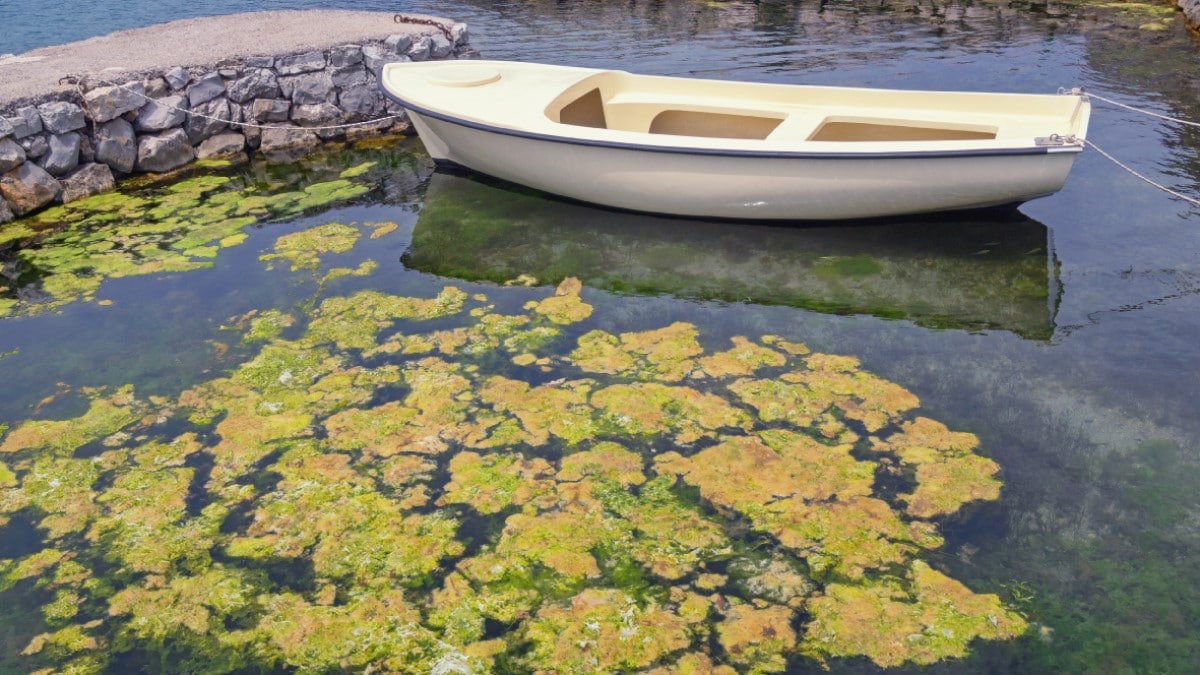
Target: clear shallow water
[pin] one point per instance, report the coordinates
(1092, 419)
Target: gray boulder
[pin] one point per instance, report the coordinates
(460, 34)
(166, 151)
(375, 56)
(439, 46)
(162, 113)
(254, 83)
(59, 117)
(205, 89)
(63, 154)
(116, 145)
(35, 146)
(25, 122)
(6, 213)
(308, 88)
(398, 43)
(156, 87)
(259, 61)
(420, 49)
(6, 127)
(287, 138)
(177, 77)
(270, 110)
(361, 101)
(345, 55)
(348, 77)
(228, 144)
(300, 63)
(28, 188)
(87, 180)
(208, 119)
(316, 114)
(11, 154)
(108, 103)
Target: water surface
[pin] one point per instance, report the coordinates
(1064, 336)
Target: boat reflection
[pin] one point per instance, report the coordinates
(976, 272)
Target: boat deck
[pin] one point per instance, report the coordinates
(617, 106)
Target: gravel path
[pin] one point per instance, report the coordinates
(192, 42)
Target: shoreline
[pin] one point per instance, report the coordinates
(76, 118)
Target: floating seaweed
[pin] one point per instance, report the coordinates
(375, 489)
(64, 254)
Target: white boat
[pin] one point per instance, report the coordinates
(711, 148)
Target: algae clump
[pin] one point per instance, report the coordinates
(380, 487)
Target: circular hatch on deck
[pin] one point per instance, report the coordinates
(464, 76)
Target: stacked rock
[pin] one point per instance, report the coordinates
(75, 144)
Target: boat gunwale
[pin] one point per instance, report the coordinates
(725, 152)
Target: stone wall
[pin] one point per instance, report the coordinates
(73, 144)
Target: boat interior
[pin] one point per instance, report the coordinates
(615, 100)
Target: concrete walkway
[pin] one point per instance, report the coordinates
(193, 42)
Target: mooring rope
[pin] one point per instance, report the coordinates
(1091, 94)
(76, 81)
(1130, 170)
(1178, 195)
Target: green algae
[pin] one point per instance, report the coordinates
(564, 307)
(602, 631)
(374, 489)
(933, 621)
(649, 408)
(492, 483)
(304, 249)
(64, 254)
(267, 325)
(663, 354)
(105, 415)
(756, 638)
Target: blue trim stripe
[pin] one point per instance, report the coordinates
(722, 152)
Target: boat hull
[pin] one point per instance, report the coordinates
(740, 187)
(705, 148)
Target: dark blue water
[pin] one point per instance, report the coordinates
(1069, 417)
